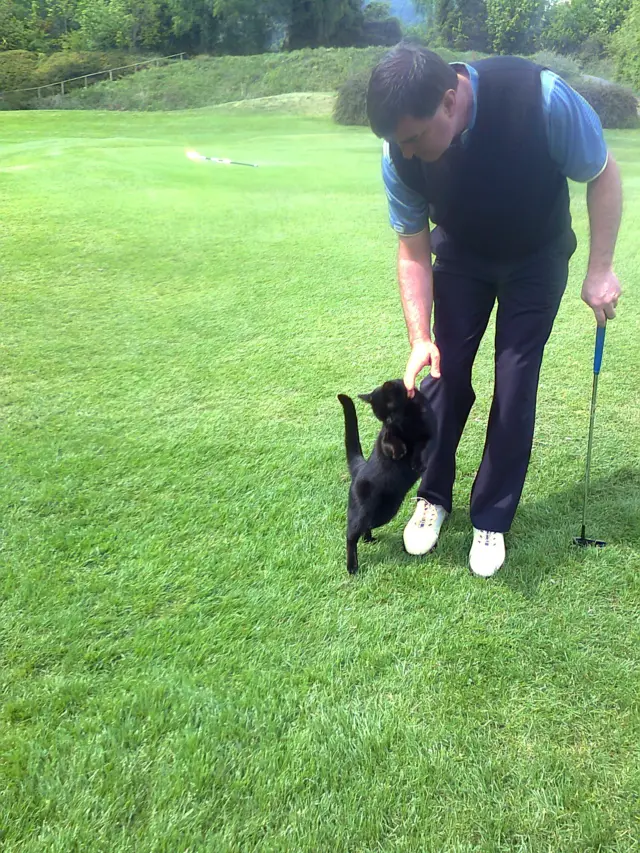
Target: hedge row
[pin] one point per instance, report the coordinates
(616, 106)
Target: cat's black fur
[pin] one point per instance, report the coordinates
(379, 484)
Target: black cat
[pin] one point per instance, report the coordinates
(379, 484)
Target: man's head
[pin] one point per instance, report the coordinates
(413, 100)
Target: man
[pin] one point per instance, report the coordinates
(483, 151)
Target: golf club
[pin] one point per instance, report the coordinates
(581, 541)
(193, 155)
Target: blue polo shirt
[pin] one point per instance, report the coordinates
(574, 135)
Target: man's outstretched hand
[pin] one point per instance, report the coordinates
(423, 354)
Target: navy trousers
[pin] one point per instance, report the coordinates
(528, 293)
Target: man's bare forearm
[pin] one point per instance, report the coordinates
(604, 202)
(415, 279)
(601, 288)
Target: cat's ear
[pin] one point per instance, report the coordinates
(367, 398)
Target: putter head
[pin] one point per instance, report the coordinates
(582, 542)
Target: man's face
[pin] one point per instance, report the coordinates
(428, 138)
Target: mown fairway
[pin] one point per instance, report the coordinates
(185, 664)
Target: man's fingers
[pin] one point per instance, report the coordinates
(610, 310)
(410, 381)
(411, 387)
(414, 366)
(418, 360)
(435, 364)
(601, 317)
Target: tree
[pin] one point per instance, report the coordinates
(244, 26)
(61, 16)
(625, 47)
(569, 26)
(611, 14)
(129, 24)
(13, 29)
(313, 23)
(378, 10)
(193, 25)
(462, 24)
(513, 25)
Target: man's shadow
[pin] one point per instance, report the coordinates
(540, 543)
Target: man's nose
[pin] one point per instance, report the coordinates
(407, 151)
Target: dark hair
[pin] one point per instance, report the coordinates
(408, 81)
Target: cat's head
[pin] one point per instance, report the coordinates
(388, 401)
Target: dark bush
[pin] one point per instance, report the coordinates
(566, 67)
(594, 48)
(69, 63)
(17, 68)
(17, 101)
(616, 106)
(351, 103)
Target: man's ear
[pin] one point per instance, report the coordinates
(368, 398)
(449, 101)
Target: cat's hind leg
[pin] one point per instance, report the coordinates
(352, 554)
(356, 526)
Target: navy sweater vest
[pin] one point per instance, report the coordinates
(500, 195)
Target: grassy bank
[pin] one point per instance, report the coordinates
(207, 81)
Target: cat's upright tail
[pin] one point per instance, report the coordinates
(351, 434)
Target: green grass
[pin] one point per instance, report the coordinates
(185, 664)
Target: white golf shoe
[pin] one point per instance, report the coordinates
(421, 533)
(487, 553)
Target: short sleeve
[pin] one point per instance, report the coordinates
(407, 208)
(576, 141)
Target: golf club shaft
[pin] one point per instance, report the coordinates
(230, 162)
(597, 364)
(594, 395)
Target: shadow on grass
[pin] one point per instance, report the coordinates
(540, 543)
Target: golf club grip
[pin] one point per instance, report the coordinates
(597, 358)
